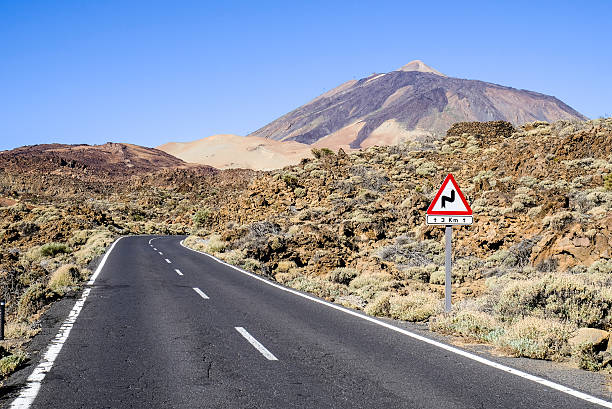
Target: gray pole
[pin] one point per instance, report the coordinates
(447, 282)
(2, 320)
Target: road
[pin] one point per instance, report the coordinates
(166, 327)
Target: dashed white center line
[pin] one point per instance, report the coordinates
(200, 293)
(256, 344)
(154, 249)
(178, 271)
(160, 253)
(168, 261)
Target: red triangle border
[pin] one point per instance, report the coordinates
(450, 178)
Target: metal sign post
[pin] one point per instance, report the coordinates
(448, 265)
(2, 320)
(449, 208)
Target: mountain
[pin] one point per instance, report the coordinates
(413, 102)
(233, 151)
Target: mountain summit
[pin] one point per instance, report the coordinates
(420, 66)
(415, 101)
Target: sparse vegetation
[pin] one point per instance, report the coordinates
(533, 268)
(321, 153)
(527, 275)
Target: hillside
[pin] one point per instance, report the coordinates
(110, 159)
(531, 276)
(233, 151)
(413, 102)
(62, 205)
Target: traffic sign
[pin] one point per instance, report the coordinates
(449, 206)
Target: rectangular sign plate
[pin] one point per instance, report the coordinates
(449, 220)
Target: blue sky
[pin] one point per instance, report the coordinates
(149, 72)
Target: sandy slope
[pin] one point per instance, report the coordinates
(232, 151)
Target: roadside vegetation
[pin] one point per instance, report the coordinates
(531, 278)
(51, 236)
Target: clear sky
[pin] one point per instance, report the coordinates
(149, 72)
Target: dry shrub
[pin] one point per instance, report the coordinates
(380, 306)
(79, 237)
(587, 357)
(416, 306)
(250, 264)
(559, 221)
(561, 296)
(285, 278)
(538, 338)
(63, 278)
(368, 285)
(20, 329)
(467, 323)
(342, 275)
(371, 279)
(318, 287)
(33, 299)
(233, 257)
(195, 243)
(419, 273)
(437, 277)
(215, 244)
(95, 246)
(600, 267)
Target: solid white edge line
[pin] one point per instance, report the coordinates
(525, 375)
(262, 349)
(178, 271)
(30, 391)
(200, 293)
(168, 261)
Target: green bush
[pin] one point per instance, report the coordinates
(52, 249)
(10, 363)
(299, 192)
(323, 152)
(608, 181)
(290, 179)
(201, 217)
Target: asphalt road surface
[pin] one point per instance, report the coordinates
(166, 327)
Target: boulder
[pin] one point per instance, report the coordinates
(593, 336)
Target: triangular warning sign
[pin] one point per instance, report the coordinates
(449, 200)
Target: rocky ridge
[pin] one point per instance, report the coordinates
(351, 229)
